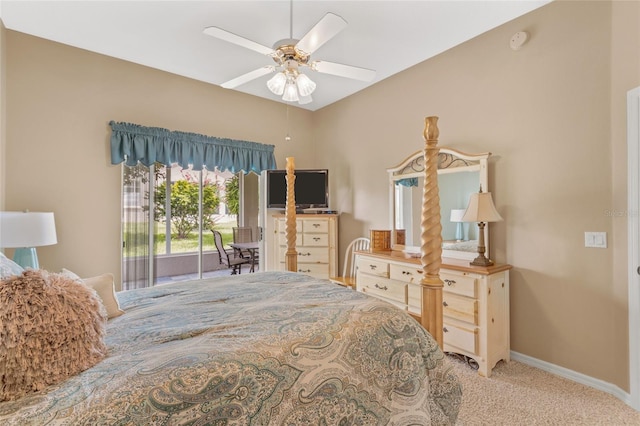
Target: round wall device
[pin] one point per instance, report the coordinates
(518, 40)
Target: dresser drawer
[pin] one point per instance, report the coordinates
(460, 338)
(405, 273)
(382, 287)
(373, 266)
(282, 239)
(313, 255)
(282, 225)
(462, 284)
(315, 240)
(308, 254)
(319, 226)
(317, 270)
(460, 307)
(414, 298)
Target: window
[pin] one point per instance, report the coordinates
(167, 222)
(152, 214)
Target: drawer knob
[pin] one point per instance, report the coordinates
(445, 329)
(316, 225)
(316, 238)
(450, 282)
(445, 304)
(304, 270)
(384, 287)
(372, 267)
(304, 254)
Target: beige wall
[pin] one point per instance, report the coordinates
(552, 114)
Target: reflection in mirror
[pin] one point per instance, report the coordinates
(455, 189)
(459, 175)
(408, 208)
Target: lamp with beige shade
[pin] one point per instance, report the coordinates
(481, 210)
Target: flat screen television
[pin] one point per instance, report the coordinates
(311, 187)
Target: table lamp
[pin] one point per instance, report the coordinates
(25, 231)
(481, 210)
(456, 217)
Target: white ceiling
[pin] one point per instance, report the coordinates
(386, 36)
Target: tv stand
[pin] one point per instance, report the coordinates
(316, 244)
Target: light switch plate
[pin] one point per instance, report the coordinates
(595, 239)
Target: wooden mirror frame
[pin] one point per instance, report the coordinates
(449, 161)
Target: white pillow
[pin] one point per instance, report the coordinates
(104, 286)
(8, 267)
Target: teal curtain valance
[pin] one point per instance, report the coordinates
(407, 182)
(133, 143)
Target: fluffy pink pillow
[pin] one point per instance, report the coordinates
(51, 327)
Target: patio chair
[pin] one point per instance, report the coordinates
(235, 263)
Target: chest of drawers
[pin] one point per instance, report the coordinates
(316, 244)
(475, 301)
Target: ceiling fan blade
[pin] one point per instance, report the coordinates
(322, 32)
(236, 39)
(341, 70)
(245, 78)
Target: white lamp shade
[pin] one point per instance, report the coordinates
(305, 85)
(481, 209)
(276, 83)
(27, 229)
(290, 92)
(456, 215)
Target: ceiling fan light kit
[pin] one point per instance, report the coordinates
(291, 84)
(290, 54)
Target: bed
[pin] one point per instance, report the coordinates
(269, 348)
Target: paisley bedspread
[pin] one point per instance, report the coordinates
(270, 348)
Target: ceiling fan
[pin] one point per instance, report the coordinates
(290, 55)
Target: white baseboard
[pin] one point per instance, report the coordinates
(574, 376)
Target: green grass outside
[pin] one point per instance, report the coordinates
(186, 245)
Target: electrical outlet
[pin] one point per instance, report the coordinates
(595, 239)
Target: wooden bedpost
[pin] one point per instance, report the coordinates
(431, 247)
(291, 256)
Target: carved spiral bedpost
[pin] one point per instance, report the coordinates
(291, 256)
(431, 248)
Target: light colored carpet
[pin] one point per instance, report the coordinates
(518, 394)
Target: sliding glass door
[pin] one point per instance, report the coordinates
(167, 217)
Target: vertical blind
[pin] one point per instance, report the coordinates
(135, 144)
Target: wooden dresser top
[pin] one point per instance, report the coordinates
(447, 263)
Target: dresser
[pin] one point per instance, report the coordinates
(475, 301)
(316, 244)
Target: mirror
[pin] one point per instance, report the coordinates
(459, 175)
